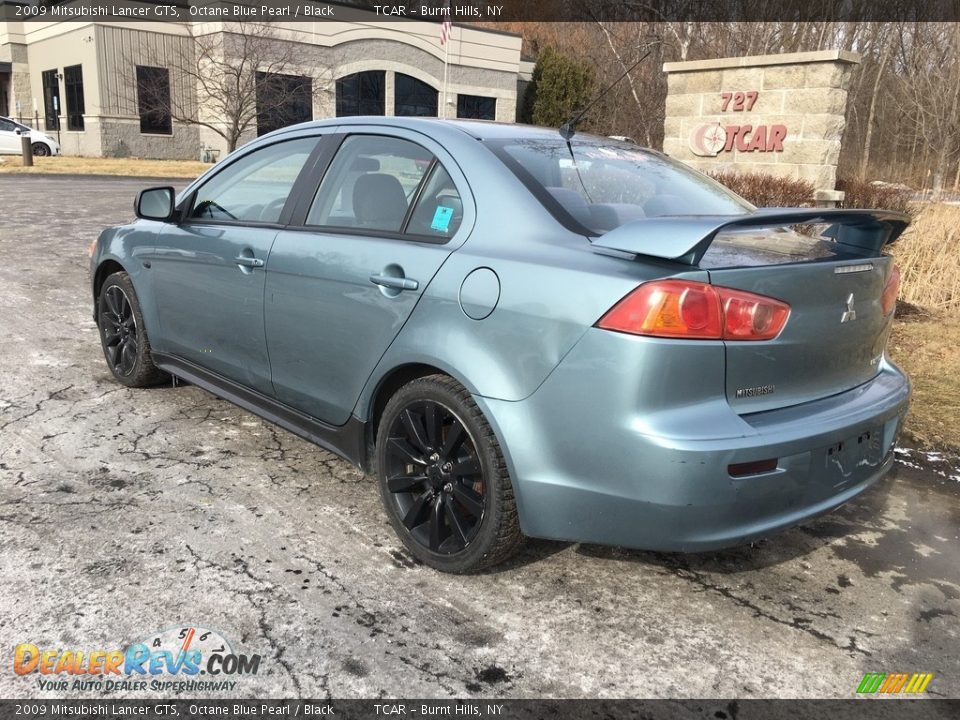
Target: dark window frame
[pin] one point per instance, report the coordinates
(76, 104)
(297, 91)
(370, 91)
(51, 115)
(464, 100)
(153, 100)
(414, 97)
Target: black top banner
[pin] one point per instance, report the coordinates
(486, 11)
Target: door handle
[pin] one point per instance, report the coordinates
(397, 283)
(250, 262)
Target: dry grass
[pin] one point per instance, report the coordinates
(128, 167)
(929, 258)
(926, 347)
(926, 343)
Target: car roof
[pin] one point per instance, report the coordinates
(478, 129)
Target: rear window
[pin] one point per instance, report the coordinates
(604, 185)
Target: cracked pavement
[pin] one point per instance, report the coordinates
(125, 512)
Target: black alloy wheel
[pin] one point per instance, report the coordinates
(443, 478)
(120, 331)
(122, 334)
(434, 474)
(40, 149)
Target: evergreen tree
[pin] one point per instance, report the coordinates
(560, 86)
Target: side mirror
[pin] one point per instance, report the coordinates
(18, 131)
(155, 203)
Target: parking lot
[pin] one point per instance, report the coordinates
(127, 512)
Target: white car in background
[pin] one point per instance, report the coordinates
(11, 133)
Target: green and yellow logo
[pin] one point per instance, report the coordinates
(894, 683)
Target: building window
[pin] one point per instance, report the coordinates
(51, 100)
(476, 107)
(73, 84)
(282, 100)
(413, 97)
(362, 93)
(153, 100)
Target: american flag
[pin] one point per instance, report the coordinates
(447, 27)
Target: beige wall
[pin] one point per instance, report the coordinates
(479, 63)
(802, 95)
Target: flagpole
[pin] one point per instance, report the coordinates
(446, 58)
(446, 35)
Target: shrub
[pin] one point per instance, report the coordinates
(767, 190)
(861, 194)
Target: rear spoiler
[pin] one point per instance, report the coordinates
(685, 239)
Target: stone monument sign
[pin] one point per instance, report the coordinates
(776, 114)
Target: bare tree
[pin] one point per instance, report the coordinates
(238, 79)
(903, 120)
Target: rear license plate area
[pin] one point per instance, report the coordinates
(855, 457)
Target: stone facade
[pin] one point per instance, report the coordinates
(481, 62)
(17, 81)
(776, 114)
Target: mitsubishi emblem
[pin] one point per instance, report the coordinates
(849, 314)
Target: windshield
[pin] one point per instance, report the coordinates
(607, 184)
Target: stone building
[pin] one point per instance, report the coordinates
(778, 114)
(97, 84)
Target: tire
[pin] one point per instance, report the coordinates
(443, 479)
(40, 149)
(123, 335)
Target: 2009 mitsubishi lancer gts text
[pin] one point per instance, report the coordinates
(520, 335)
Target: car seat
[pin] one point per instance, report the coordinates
(379, 202)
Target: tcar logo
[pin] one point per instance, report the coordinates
(710, 139)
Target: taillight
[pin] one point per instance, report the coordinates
(888, 301)
(695, 310)
(751, 317)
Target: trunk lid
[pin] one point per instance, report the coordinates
(836, 333)
(833, 340)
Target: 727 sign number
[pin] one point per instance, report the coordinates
(741, 100)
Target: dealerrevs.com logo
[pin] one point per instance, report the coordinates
(182, 659)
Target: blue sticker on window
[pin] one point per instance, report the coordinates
(441, 218)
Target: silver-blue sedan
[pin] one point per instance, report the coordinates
(519, 335)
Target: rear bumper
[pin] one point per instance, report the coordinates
(614, 457)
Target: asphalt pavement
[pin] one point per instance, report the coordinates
(124, 513)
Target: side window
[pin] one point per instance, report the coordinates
(439, 210)
(7, 126)
(256, 187)
(370, 184)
